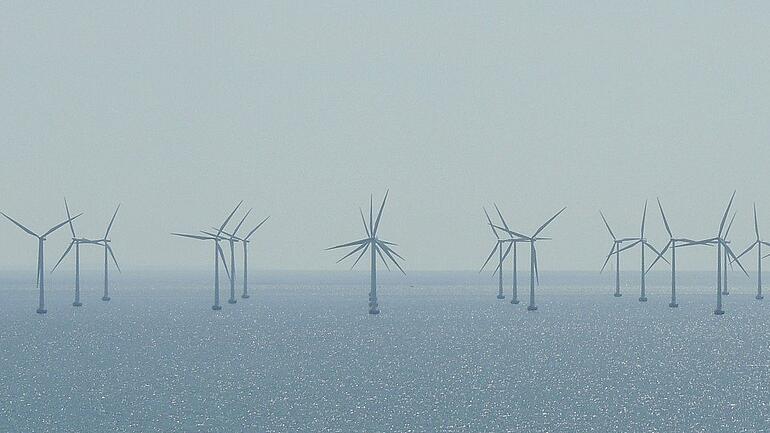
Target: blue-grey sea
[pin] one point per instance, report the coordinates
(303, 355)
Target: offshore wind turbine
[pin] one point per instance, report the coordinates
(512, 242)
(643, 242)
(615, 250)
(722, 243)
(758, 244)
(231, 240)
(40, 257)
(673, 244)
(498, 248)
(245, 242)
(105, 242)
(76, 242)
(533, 272)
(376, 247)
(726, 260)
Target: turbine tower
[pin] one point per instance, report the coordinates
(615, 250)
(40, 256)
(726, 260)
(376, 247)
(721, 243)
(76, 242)
(533, 273)
(758, 244)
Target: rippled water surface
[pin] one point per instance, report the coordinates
(440, 357)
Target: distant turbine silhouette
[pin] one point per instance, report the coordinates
(533, 273)
(376, 246)
(245, 242)
(643, 242)
(76, 242)
(758, 244)
(105, 242)
(722, 243)
(726, 259)
(498, 248)
(513, 241)
(40, 256)
(672, 243)
(615, 250)
(217, 238)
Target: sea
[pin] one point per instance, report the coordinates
(445, 355)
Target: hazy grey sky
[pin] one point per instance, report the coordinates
(180, 109)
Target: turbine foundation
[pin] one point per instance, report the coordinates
(231, 301)
(643, 299)
(77, 304)
(105, 298)
(719, 312)
(41, 311)
(617, 295)
(673, 305)
(759, 297)
(514, 301)
(500, 296)
(245, 296)
(531, 307)
(216, 307)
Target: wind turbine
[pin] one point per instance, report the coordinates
(245, 242)
(376, 247)
(231, 240)
(40, 256)
(105, 242)
(218, 255)
(726, 260)
(758, 244)
(615, 250)
(643, 241)
(673, 245)
(512, 242)
(722, 243)
(533, 273)
(76, 241)
(498, 248)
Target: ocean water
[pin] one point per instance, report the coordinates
(302, 355)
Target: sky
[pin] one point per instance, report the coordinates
(178, 110)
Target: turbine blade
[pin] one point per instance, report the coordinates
(362, 254)
(607, 225)
(363, 220)
(57, 226)
(492, 226)
(202, 238)
(353, 251)
(727, 211)
(63, 256)
(658, 257)
(511, 232)
(388, 251)
(606, 260)
(222, 258)
(379, 214)
(349, 244)
(542, 227)
(227, 220)
(756, 226)
(109, 227)
(114, 260)
(751, 247)
(665, 221)
(379, 253)
(371, 212)
(648, 245)
(730, 225)
(537, 272)
(735, 259)
(69, 217)
(501, 216)
(385, 246)
(19, 225)
(241, 222)
(507, 251)
(256, 228)
(644, 217)
(631, 245)
(494, 250)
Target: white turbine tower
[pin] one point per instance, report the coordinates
(721, 243)
(758, 243)
(40, 257)
(498, 248)
(376, 247)
(643, 242)
(218, 255)
(512, 242)
(105, 243)
(245, 242)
